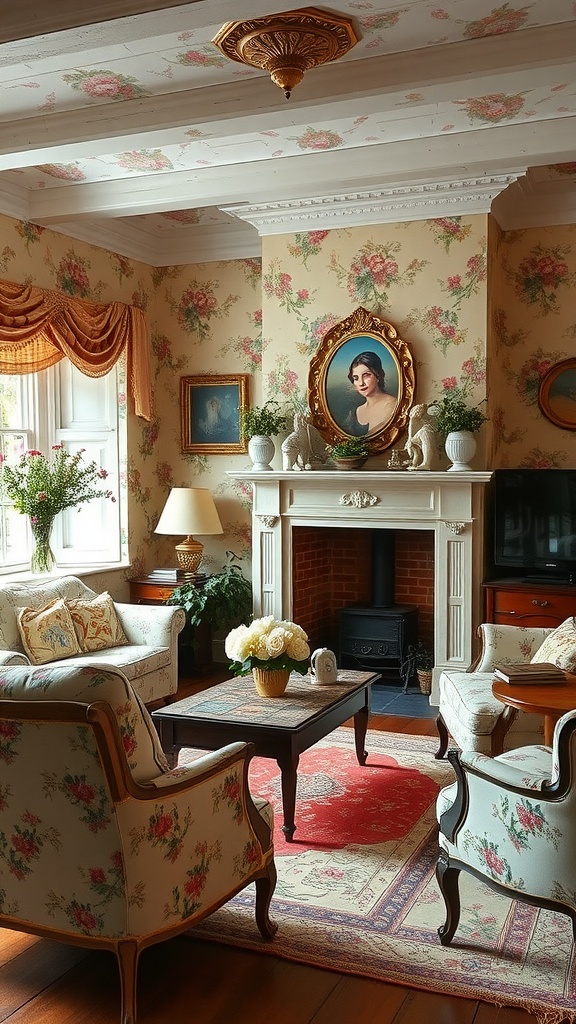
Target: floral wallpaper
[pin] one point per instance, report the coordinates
(488, 308)
(428, 278)
(532, 326)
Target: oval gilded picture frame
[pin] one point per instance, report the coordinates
(557, 394)
(336, 405)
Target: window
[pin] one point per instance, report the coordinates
(62, 405)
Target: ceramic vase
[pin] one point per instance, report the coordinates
(460, 448)
(271, 682)
(261, 450)
(42, 558)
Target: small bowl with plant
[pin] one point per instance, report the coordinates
(350, 452)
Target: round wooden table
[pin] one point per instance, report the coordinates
(549, 699)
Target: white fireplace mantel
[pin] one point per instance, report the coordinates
(449, 503)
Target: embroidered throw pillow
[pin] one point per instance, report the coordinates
(559, 647)
(96, 623)
(48, 633)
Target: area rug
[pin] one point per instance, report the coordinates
(357, 890)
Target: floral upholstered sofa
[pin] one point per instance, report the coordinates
(62, 621)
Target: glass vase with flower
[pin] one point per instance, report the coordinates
(41, 487)
(270, 649)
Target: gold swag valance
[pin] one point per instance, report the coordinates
(39, 327)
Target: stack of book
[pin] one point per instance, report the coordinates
(177, 576)
(533, 672)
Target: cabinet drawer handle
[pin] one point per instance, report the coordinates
(541, 604)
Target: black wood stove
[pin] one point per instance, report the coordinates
(376, 637)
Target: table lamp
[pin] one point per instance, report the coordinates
(189, 510)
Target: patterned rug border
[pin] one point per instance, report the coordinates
(234, 923)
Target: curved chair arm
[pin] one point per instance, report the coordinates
(13, 658)
(509, 645)
(207, 764)
(153, 625)
(527, 768)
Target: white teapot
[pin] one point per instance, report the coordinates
(323, 668)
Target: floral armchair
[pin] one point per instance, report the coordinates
(511, 822)
(147, 653)
(101, 844)
(470, 713)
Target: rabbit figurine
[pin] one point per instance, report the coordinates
(323, 667)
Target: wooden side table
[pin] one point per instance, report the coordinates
(549, 699)
(194, 644)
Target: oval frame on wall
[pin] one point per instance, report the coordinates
(557, 394)
(331, 396)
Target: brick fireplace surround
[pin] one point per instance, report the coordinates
(311, 550)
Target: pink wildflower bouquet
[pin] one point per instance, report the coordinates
(40, 487)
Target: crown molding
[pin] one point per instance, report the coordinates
(376, 206)
(196, 244)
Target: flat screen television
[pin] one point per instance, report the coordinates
(534, 520)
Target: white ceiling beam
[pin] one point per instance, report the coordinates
(505, 149)
(445, 72)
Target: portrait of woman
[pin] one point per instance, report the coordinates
(362, 385)
(368, 378)
(361, 381)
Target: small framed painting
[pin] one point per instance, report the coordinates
(557, 394)
(210, 413)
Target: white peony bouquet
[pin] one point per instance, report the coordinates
(268, 643)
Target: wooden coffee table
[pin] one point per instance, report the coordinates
(549, 699)
(279, 727)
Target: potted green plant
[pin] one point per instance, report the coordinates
(350, 452)
(421, 659)
(223, 600)
(456, 422)
(258, 426)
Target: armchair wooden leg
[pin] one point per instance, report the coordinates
(444, 735)
(264, 891)
(127, 953)
(447, 878)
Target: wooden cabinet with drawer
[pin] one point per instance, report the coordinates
(516, 602)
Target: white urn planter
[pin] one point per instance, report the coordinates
(261, 450)
(460, 446)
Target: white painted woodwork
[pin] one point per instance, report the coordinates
(449, 504)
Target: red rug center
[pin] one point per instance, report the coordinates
(339, 802)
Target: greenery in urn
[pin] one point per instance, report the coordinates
(223, 600)
(452, 412)
(349, 448)
(263, 421)
(41, 487)
(423, 656)
(268, 643)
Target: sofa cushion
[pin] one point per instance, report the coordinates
(47, 633)
(468, 696)
(33, 595)
(559, 647)
(134, 660)
(96, 623)
(88, 683)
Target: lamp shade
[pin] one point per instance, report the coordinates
(189, 510)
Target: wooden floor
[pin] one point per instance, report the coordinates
(187, 982)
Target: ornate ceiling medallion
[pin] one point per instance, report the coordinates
(288, 44)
